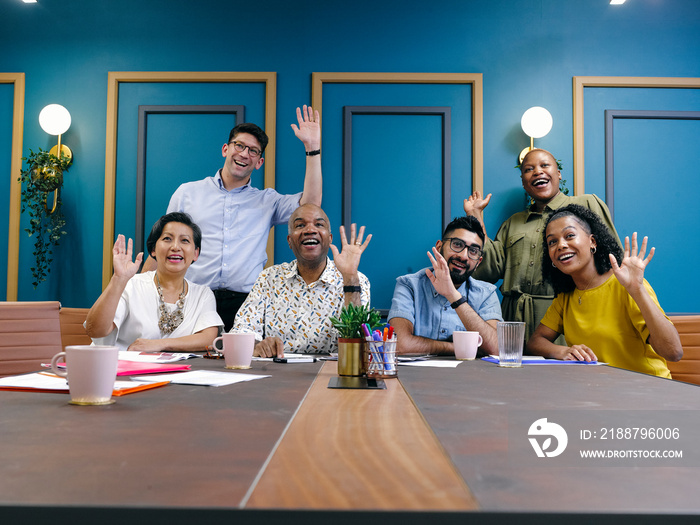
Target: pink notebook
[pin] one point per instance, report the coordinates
(129, 368)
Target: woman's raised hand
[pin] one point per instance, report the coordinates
(631, 272)
(122, 255)
(474, 205)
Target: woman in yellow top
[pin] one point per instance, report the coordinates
(604, 307)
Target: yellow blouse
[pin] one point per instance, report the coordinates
(609, 322)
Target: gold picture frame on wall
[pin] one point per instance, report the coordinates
(115, 78)
(473, 79)
(15, 186)
(582, 82)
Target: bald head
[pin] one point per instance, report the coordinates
(309, 208)
(309, 236)
(537, 150)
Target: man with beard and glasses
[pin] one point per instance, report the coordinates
(431, 304)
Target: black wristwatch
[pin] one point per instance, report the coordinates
(458, 302)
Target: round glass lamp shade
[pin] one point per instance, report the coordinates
(536, 122)
(54, 119)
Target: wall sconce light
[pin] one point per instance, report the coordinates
(536, 123)
(54, 119)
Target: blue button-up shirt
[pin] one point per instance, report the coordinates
(416, 300)
(235, 225)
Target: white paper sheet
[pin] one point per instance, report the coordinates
(435, 363)
(48, 381)
(201, 377)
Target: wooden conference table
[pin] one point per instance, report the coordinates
(438, 442)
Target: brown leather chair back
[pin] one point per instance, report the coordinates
(688, 368)
(72, 330)
(30, 334)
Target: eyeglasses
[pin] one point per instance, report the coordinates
(458, 245)
(240, 148)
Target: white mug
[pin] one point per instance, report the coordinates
(237, 349)
(91, 372)
(466, 344)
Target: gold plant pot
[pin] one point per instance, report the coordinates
(351, 357)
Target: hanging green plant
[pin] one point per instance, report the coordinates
(42, 175)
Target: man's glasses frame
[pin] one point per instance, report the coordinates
(240, 148)
(458, 245)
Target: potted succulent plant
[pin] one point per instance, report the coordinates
(43, 175)
(351, 343)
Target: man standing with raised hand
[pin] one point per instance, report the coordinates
(236, 217)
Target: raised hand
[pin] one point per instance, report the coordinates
(474, 205)
(122, 258)
(348, 259)
(631, 272)
(309, 129)
(440, 276)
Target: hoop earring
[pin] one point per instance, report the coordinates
(593, 249)
(553, 265)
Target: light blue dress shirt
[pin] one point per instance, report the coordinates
(235, 225)
(416, 300)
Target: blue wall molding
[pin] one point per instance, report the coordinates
(610, 116)
(115, 78)
(238, 113)
(17, 79)
(443, 112)
(475, 80)
(580, 83)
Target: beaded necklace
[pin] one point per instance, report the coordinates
(169, 321)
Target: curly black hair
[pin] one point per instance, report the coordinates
(592, 224)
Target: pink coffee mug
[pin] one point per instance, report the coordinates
(91, 372)
(466, 344)
(237, 349)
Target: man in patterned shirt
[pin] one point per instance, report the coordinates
(290, 303)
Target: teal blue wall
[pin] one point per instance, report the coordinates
(527, 51)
